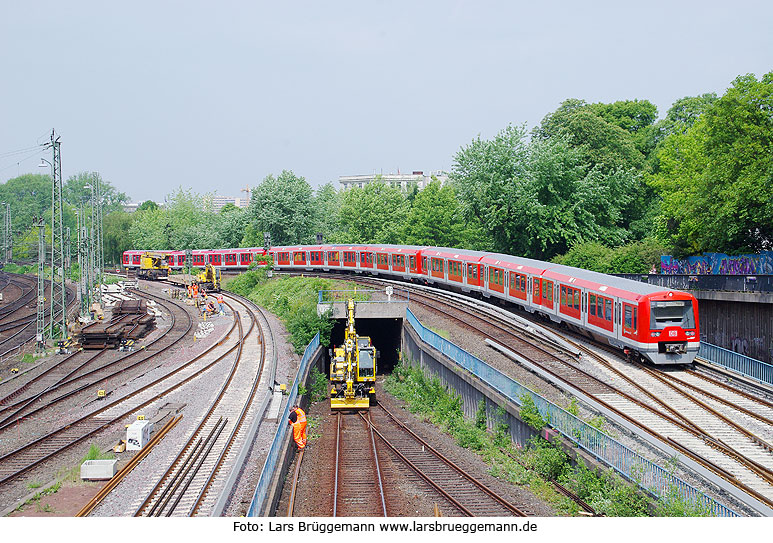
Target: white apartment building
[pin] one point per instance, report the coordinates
(403, 181)
(219, 201)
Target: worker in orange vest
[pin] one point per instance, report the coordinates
(298, 422)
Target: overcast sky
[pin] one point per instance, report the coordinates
(216, 95)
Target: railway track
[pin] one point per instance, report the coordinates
(372, 457)
(730, 440)
(27, 458)
(192, 483)
(358, 489)
(78, 375)
(18, 316)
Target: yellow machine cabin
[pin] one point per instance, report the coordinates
(209, 279)
(153, 266)
(353, 369)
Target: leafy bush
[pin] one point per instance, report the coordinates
(530, 414)
(318, 385)
(634, 257)
(292, 299)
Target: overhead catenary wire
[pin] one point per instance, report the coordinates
(19, 151)
(18, 162)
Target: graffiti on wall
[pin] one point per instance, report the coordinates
(719, 264)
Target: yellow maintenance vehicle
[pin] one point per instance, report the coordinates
(153, 266)
(353, 369)
(209, 279)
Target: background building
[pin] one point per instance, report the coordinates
(403, 181)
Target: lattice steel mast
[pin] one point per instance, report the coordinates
(41, 313)
(58, 317)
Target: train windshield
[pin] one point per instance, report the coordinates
(671, 313)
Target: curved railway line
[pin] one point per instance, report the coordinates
(722, 428)
(18, 315)
(727, 445)
(189, 486)
(78, 373)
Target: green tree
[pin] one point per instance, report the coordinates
(29, 196)
(149, 229)
(327, 220)
(435, 218)
(74, 191)
(483, 174)
(538, 200)
(716, 178)
(283, 206)
(148, 205)
(372, 214)
(116, 227)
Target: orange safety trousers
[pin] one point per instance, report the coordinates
(299, 429)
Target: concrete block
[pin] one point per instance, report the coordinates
(98, 469)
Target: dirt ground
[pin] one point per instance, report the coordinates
(66, 502)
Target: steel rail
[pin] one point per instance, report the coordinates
(337, 465)
(294, 487)
(687, 425)
(7, 421)
(218, 463)
(83, 420)
(242, 415)
(124, 471)
(378, 467)
(507, 505)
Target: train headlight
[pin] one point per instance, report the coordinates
(655, 334)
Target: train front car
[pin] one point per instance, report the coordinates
(670, 323)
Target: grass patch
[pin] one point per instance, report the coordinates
(313, 427)
(445, 334)
(292, 299)
(27, 358)
(537, 464)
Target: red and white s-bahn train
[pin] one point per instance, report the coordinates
(229, 259)
(644, 320)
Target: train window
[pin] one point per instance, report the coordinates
(607, 309)
(550, 291)
(577, 300)
(628, 317)
(592, 304)
(412, 261)
(563, 295)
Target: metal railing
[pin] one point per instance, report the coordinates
(628, 463)
(730, 283)
(272, 459)
(364, 295)
(746, 366)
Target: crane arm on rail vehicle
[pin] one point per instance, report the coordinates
(353, 369)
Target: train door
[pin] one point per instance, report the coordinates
(547, 293)
(630, 320)
(536, 291)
